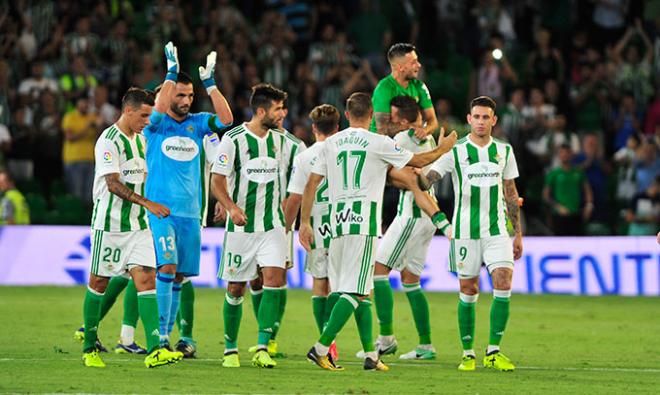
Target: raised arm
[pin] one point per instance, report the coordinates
(116, 187)
(165, 95)
(220, 105)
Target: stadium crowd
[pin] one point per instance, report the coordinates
(577, 86)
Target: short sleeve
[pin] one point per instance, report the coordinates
(106, 156)
(208, 122)
(444, 164)
(211, 146)
(510, 167)
(320, 166)
(424, 96)
(298, 177)
(381, 98)
(392, 153)
(224, 158)
(549, 178)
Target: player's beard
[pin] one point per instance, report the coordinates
(178, 111)
(269, 123)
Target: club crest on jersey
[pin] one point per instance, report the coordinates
(397, 147)
(190, 128)
(107, 156)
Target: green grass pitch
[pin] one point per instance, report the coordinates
(561, 344)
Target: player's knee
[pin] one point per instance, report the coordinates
(179, 278)
(381, 270)
(236, 289)
(274, 277)
(256, 284)
(502, 278)
(409, 278)
(98, 284)
(469, 287)
(169, 269)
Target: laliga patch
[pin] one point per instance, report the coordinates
(223, 159)
(107, 157)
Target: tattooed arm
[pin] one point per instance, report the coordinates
(385, 126)
(513, 212)
(116, 187)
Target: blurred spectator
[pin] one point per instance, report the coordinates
(80, 128)
(147, 77)
(494, 76)
(644, 211)
(48, 145)
(589, 97)
(5, 93)
(556, 96)
(82, 42)
(625, 179)
(370, 31)
(27, 42)
(492, 17)
(591, 162)
(647, 165)
(652, 123)
(565, 188)
(537, 114)
(77, 83)
(21, 163)
(511, 119)
(445, 117)
(324, 54)
(100, 105)
(275, 59)
(633, 72)
(5, 144)
(546, 146)
(626, 120)
(545, 62)
(13, 207)
(609, 19)
(32, 87)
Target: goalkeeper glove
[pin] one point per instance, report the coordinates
(206, 73)
(172, 62)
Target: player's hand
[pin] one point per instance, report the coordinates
(449, 232)
(306, 236)
(172, 58)
(157, 209)
(561, 210)
(517, 247)
(206, 74)
(219, 214)
(237, 216)
(420, 132)
(447, 142)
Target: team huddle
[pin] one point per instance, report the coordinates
(157, 164)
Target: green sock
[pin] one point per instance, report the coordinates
(131, 310)
(332, 301)
(384, 304)
(499, 315)
(148, 308)
(342, 311)
(466, 318)
(280, 313)
(364, 322)
(318, 308)
(256, 300)
(112, 291)
(91, 317)
(186, 310)
(231, 314)
(269, 309)
(420, 311)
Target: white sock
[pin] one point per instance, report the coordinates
(373, 355)
(321, 349)
(386, 339)
(492, 348)
(425, 346)
(469, 353)
(127, 336)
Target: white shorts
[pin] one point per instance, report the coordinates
(243, 253)
(467, 255)
(351, 268)
(115, 253)
(316, 263)
(405, 244)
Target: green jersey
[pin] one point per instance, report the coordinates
(388, 88)
(253, 167)
(115, 152)
(566, 186)
(478, 174)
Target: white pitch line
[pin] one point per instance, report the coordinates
(400, 364)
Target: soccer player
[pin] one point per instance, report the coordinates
(483, 170)
(174, 160)
(404, 246)
(245, 180)
(292, 146)
(121, 239)
(325, 123)
(355, 162)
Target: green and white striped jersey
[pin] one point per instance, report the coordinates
(116, 153)
(477, 174)
(320, 219)
(407, 207)
(253, 168)
(292, 147)
(355, 163)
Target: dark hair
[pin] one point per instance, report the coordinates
(408, 107)
(263, 96)
(136, 97)
(359, 105)
(483, 101)
(325, 117)
(565, 146)
(398, 50)
(184, 78)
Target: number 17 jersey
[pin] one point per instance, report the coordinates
(355, 163)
